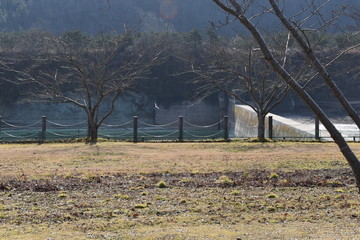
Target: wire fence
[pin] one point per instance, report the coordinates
(132, 130)
(178, 130)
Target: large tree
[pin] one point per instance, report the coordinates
(233, 67)
(89, 72)
(241, 10)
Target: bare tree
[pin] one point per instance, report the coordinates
(89, 72)
(242, 73)
(299, 34)
(238, 9)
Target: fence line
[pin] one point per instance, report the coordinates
(45, 129)
(141, 130)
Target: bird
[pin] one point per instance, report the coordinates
(156, 106)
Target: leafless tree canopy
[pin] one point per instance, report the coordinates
(298, 27)
(87, 71)
(232, 66)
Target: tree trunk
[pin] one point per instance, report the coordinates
(92, 135)
(318, 66)
(335, 134)
(261, 127)
(92, 131)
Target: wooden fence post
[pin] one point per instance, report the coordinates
(181, 128)
(43, 128)
(135, 129)
(226, 128)
(270, 127)
(0, 125)
(317, 129)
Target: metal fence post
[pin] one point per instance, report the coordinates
(43, 128)
(181, 128)
(317, 129)
(135, 130)
(226, 128)
(270, 127)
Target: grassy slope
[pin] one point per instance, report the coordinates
(108, 191)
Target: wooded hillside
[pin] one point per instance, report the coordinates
(92, 16)
(167, 84)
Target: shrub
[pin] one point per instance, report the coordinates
(235, 192)
(339, 190)
(224, 180)
(274, 176)
(185, 180)
(62, 195)
(139, 206)
(272, 195)
(325, 197)
(122, 196)
(271, 209)
(162, 184)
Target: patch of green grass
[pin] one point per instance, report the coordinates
(235, 192)
(274, 176)
(162, 184)
(122, 196)
(272, 195)
(225, 180)
(62, 195)
(140, 206)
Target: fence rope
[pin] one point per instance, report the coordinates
(19, 137)
(156, 125)
(66, 135)
(208, 126)
(15, 126)
(158, 136)
(117, 126)
(64, 125)
(128, 134)
(201, 136)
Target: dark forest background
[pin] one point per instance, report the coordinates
(25, 23)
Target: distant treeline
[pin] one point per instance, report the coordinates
(168, 81)
(92, 16)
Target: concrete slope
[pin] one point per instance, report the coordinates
(245, 125)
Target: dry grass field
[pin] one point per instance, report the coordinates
(237, 190)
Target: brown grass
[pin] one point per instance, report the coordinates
(109, 191)
(113, 158)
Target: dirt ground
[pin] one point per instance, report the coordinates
(237, 190)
